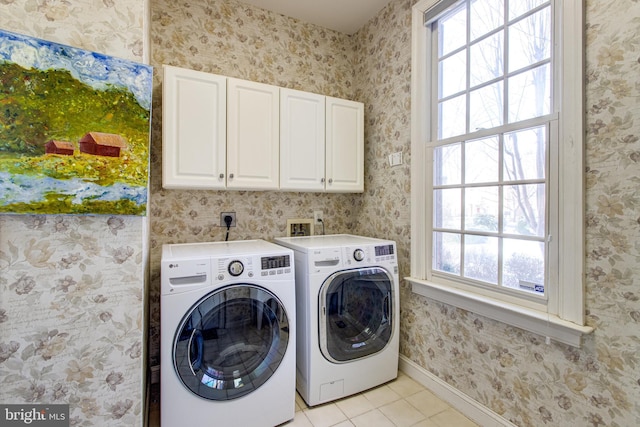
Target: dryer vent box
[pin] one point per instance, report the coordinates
(299, 227)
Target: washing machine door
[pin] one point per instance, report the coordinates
(356, 313)
(230, 342)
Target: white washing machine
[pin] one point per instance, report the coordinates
(347, 303)
(227, 334)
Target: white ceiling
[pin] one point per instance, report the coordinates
(345, 16)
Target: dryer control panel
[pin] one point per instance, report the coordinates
(369, 254)
(253, 266)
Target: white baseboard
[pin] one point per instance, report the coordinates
(472, 409)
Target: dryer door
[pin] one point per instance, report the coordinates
(356, 312)
(230, 342)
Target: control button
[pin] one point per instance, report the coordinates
(358, 254)
(221, 276)
(236, 268)
(264, 273)
(251, 274)
(272, 273)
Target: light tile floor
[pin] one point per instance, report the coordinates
(399, 403)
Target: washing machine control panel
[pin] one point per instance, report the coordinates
(253, 266)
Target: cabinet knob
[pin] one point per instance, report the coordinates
(230, 176)
(330, 180)
(322, 180)
(221, 175)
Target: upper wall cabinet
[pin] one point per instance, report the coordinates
(344, 145)
(321, 143)
(253, 135)
(194, 132)
(220, 132)
(302, 138)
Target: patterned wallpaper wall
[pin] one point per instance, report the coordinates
(510, 371)
(232, 39)
(72, 287)
(513, 372)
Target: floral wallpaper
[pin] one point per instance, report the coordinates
(237, 40)
(510, 371)
(72, 290)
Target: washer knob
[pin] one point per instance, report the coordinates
(358, 254)
(236, 268)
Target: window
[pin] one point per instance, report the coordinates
(496, 144)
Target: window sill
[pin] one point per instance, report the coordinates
(550, 326)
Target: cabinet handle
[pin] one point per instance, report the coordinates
(330, 180)
(322, 180)
(221, 175)
(230, 176)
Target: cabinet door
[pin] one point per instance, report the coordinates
(253, 135)
(302, 133)
(193, 129)
(344, 146)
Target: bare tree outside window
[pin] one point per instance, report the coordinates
(493, 62)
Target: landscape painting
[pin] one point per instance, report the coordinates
(74, 130)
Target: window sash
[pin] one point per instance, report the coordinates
(506, 76)
(505, 127)
(562, 318)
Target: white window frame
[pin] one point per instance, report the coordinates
(562, 317)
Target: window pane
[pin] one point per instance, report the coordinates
(524, 209)
(486, 15)
(524, 154)
(482, 206)
(530, 40)
(446, 208)
(453, 74)
(446, 252)
(452, 30)
(486, 107)
(481, 258)
(519, 7)
(487, 59)
(452, 117)
(530, 94)
(447, 162)
(481, 160)
(523, 265)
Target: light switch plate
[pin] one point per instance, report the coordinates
(395, 159)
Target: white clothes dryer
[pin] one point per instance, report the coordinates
(227, 334)
(347, 303)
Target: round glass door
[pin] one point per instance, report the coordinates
(231, 342)
(356, 312)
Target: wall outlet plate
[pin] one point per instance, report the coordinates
(233, 219)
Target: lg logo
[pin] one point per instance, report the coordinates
(173, 265)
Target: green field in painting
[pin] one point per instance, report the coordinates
(38, 106)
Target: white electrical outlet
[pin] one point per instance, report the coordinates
(318, 217)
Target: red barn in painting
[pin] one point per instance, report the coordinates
(59, 147)
(102, 144)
